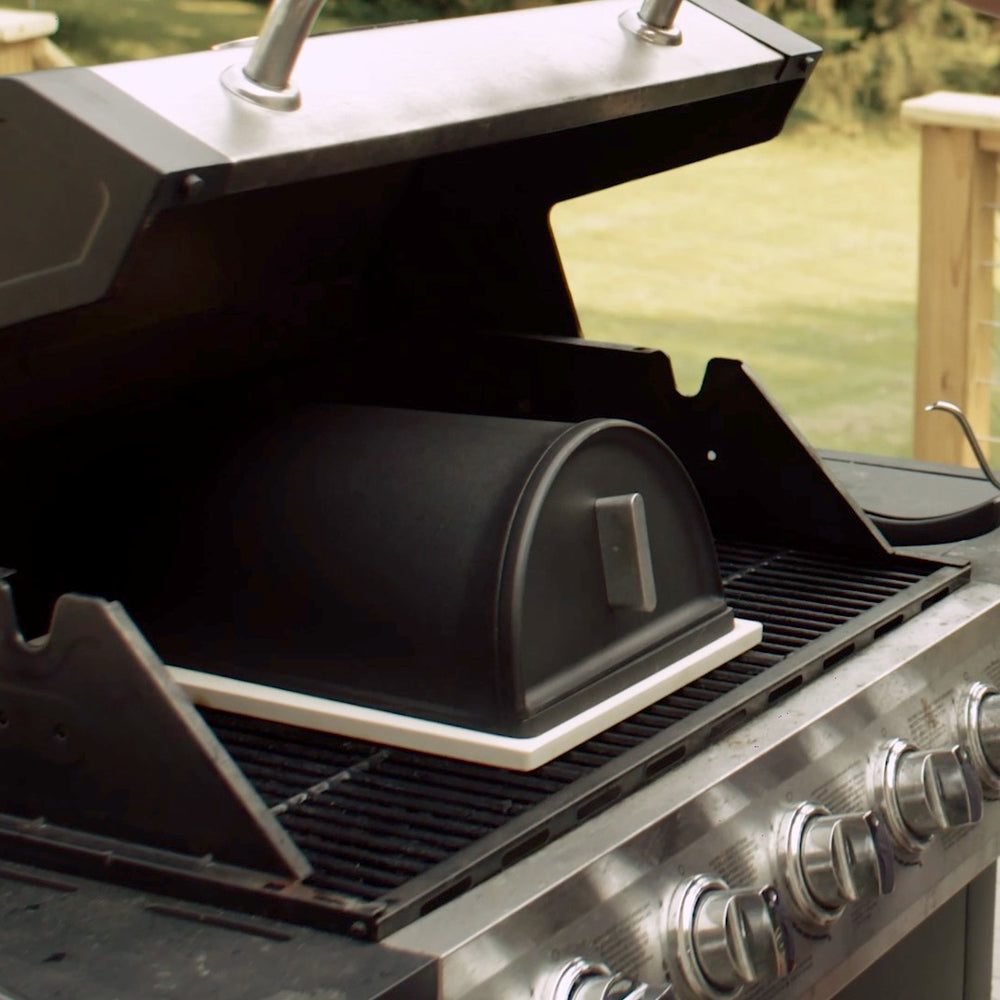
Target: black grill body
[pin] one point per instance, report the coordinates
(219, 271)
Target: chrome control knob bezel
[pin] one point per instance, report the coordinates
(571, 982)
(560, 983)
(678, 935)
(686, 955)
(970, 725)
(811, 912)
(894, 798)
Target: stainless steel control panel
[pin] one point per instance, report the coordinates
(787, 857)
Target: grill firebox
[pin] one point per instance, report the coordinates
(392, 834)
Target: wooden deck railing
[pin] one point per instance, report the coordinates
(955, 321)
(25, 42)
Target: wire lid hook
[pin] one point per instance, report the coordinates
(970, 436)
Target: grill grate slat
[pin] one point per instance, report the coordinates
(387, 837)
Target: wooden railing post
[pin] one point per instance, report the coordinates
(958, 186)
(25, 44)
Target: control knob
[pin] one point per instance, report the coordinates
(922, 792)
(579, 979)
(719, 940)
(828, 861)
(979, 725)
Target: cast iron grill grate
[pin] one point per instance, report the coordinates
(409, 831)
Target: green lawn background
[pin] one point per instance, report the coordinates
(798, 256)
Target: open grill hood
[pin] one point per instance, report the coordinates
(411, 188)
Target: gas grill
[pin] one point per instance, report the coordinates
(317, 511)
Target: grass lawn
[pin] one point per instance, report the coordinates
(797, 256)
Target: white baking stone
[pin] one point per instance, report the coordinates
(519, 753)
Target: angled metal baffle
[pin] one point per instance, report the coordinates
(96, 737)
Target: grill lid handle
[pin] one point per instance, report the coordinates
(266, 78)
(654, 22)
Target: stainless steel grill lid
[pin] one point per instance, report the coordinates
(488, 572)
(160, 223)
